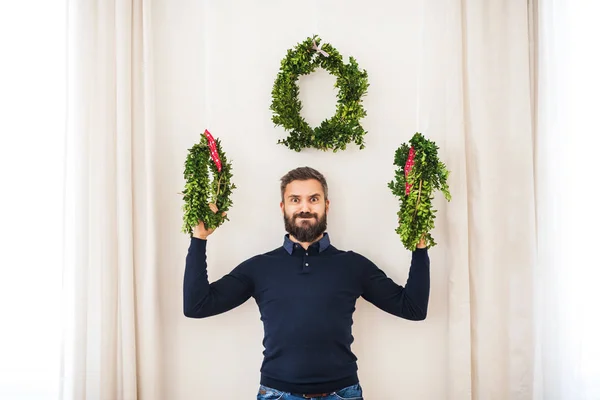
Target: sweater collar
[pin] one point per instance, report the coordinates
(322, 244)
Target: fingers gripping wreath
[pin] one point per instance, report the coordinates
(333, 133)
(206, 182)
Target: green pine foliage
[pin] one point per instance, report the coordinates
(333, 133)
(416, 215)
(200, 190)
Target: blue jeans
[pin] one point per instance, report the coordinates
(353, 392)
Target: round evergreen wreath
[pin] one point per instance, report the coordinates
(200, 189)
(419, 173)
(333, 133)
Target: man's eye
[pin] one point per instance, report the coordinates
(294, 200)
(315, 199)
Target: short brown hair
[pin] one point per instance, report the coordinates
(303, 174)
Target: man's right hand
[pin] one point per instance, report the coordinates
(200, 231)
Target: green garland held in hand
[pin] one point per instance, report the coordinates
(200, 190)
(419, 173)
(333, 133)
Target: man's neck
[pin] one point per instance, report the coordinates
(305, 245)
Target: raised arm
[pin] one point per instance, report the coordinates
(409, 302)
(203, 299)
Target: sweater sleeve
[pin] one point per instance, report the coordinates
(203, 299)
(409, 302)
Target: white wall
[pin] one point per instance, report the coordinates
(216, 69)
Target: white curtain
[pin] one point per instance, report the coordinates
(492, 247)
(32, 132)
(111, 341)
(568, 218)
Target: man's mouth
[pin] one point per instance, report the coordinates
(305, 219)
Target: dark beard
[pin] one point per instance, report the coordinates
(305, 232)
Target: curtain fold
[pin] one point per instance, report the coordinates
(487, 119)
(111, 340)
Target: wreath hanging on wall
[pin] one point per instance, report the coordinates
(333, 133)
(206, 182)
(419, 173)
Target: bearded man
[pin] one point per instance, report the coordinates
(306, 291)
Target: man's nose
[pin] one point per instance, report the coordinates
(305, 206)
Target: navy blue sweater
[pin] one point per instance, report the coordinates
(306, 300)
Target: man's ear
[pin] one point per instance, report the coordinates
(327, 205)
(281, 206)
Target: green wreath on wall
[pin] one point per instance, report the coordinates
(333, 133)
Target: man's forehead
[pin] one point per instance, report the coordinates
(304, 188)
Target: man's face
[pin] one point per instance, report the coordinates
(305, 210)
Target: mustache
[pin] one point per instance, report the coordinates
(305, 215)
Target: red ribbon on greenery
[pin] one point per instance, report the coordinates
(410, 163)
(212, 146)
